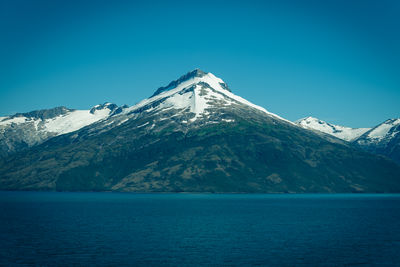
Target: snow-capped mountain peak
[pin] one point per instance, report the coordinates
(386, 130)
(192, 77)
(383, 139)
(197, 92)
(342, 132)
(110, 106)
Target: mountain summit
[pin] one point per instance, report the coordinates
(191, 77)
(197, 94)
(195, 135)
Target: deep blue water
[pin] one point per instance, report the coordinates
(44, 228)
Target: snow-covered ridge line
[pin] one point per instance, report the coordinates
(244, 101)
(341, 132)
(66, 122)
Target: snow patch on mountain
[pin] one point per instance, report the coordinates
(74, 120)
(341, 132)
(198, 104)
(8, 120)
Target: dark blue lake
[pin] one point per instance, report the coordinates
(44, 228)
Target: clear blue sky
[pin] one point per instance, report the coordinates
(335, 60)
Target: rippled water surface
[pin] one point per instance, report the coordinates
(44, 228)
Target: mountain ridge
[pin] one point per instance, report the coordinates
(197, 137)
(383, 139)
(341, 132)
(24, 130)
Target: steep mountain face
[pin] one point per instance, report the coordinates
(195, 135)
(341, 132)
(383, 139)
(24, 130)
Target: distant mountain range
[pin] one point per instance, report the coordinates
(193, 135)
(24, 130)
(382, 139)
